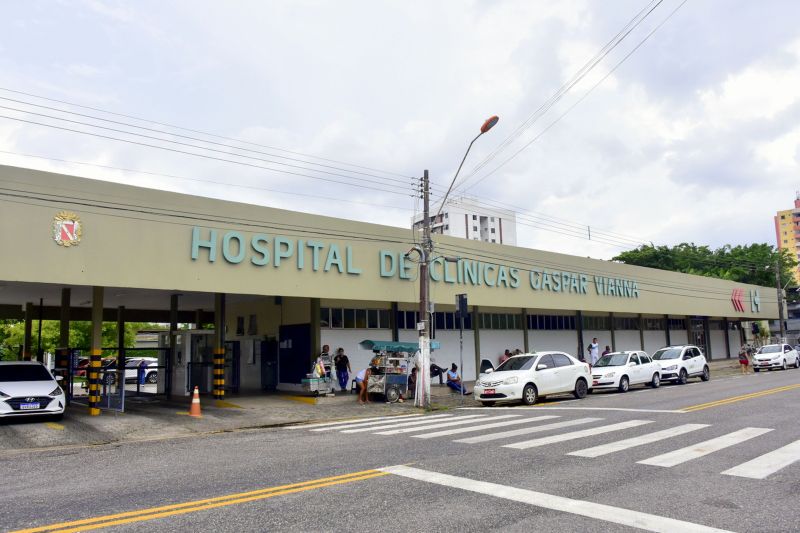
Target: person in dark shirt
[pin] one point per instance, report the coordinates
(342, 364)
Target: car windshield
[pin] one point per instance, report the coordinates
(517, 363)
(667, 353)
(24, 373)
(612, 359)
(773, 348)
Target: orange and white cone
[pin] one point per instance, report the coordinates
(194, 410)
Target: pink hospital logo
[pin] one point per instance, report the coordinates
(67, 229)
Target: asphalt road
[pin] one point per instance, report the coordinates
(715, 455)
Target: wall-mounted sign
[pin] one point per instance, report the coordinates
(277, 251)
(67, 229)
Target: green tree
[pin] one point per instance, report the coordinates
(753, 263)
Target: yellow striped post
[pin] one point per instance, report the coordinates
(94, 382)
(219, 373)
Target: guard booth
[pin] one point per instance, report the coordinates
(193, 363)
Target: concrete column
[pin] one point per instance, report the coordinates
(666, 330)
(476, 336)
(707, 337)
(96, 351)
(525, 342)
(27, 349)
(63, 337)
(579, 331)
(641, 331)
(316, 330)
(726, 325)
(219, 347)
(198, 319)
(170, 359)
(613, 335)
(688, 322)
(393, 322)
(121, 349)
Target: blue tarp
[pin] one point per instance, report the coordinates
(391, 346)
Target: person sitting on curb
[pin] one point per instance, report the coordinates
(437, 370)
(454, 381)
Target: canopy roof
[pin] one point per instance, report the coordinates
(392, 346)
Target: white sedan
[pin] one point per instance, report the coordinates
(775, 356)
(527, 377)
(28, 388)
(620, 370)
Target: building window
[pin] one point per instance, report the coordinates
(626, 323)
(492, 230)
(677, 324)
(494, 240)
(653, 324)
(474, 217)
(600, 323)
(446, 215)
(474, 228)
(338, 318)
(551, 322)
(447, 226)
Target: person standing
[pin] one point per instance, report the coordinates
(503, 358)
(606, 351)
(324, 360)
(744, 360)
(594, 351)
(342, 364)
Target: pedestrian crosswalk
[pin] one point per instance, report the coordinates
(508, 432)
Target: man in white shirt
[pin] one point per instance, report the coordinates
(594, 352)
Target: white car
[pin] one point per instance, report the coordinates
(620, 370)
(28, 388)
(679, 363)
(775, 356)
(530, 376)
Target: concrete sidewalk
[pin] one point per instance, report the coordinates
(153, 418)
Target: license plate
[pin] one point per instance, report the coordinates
(28, 406)
(488, 391)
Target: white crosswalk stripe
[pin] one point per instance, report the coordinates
(611, 447)
(424, 421)
(704, 448)
(576, 434)
(340, 422)
(482, 427)
(527, 431)
(445, 424)
(383, 420)
(767, 464)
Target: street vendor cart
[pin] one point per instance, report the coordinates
(390, 367)
(319, 380)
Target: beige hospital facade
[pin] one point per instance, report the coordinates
(285, 282)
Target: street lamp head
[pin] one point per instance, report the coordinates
(489, 124)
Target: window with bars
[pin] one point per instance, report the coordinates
(551, 322)
(596, 323)
(345, 318)
(626, 323)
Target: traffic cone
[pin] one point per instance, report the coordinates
(194, 410)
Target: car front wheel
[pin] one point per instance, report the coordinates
(624, 384)
(529, 394)
(581, 389)
(797, 362)
(152, 377)
(783, 365)
(683, 377)
(706, 375)
(656, 381)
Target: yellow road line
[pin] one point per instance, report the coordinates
(227, 405)
(304, 399)
(199, 505)
(734, 399)
(53, 425)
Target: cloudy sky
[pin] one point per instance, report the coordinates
(695, 137)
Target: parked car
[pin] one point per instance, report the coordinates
(528, 377)
(679, 363)
(151, 369)
(775, 356)
(620, 370)
(28, 388)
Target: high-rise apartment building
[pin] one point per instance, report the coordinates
(462, 217)
(787, 231)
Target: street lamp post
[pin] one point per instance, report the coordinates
(425, 252)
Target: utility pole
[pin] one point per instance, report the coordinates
(780, 298)
(423, 396)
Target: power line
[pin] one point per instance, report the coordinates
(205, 156)
(198, 180)
(180, 143)
(575, 79)
(181, 128)
(583, 97)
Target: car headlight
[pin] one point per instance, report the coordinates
(609, 375)
(510, 381)
(671, 367)
(56, 392)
